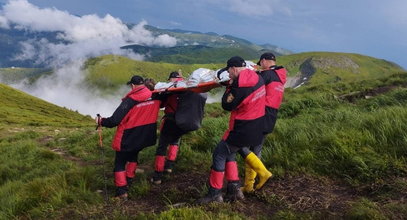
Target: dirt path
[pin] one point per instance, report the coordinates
(300, 193)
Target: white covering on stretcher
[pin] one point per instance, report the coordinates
(200, 75)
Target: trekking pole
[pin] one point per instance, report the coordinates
(102, 159)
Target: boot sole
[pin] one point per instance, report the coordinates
(167, 171)
(265, 183)
(157, 182)
(247, 191)
(123, 197)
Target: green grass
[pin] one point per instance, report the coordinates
(319, 132)
(20, 109)
(15, 75)
(35, 181)
(52, 165)
(109, 72)
(347, 66)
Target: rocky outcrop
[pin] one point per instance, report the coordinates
(324, 64)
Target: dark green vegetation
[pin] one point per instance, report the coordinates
(193, 54)
(212, 48)
(339, 150)
(195, 47)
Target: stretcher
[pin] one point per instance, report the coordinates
(200, 88)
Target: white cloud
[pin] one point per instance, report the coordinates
(89, 35)
(81, 38)
(66, 88)
(4, 23)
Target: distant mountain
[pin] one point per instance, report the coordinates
(196, 47)
(192, 47)
(193, 53)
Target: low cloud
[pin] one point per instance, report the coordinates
(66, 88)
(78, 38)
(85, 36)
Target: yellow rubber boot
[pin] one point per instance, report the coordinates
(249, 176)
(256, 164)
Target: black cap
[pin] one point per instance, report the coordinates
(236, 61)
(267, 56)
(136, 80)
(174, 74)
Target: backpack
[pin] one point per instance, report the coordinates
(190, 110)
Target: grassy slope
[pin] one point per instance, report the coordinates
(36, 175)
(15, 75)
(328, 131)
(19, 108)
(334, 65)
(111, 71)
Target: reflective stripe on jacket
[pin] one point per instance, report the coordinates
(245, 98)
(136, 121)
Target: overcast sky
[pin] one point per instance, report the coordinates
(371, 27)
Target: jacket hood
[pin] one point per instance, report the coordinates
(139, 94)
(282, 73)
(247, 78)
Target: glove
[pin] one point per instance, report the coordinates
(223, 76)
(219, 73)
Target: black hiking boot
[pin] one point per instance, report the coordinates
(168, 167)
(157, 178)
(234, 192)
(129, 181)
(214, 195)
(121, 193)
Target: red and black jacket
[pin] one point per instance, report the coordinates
(136, 121)
(170, 102)
(245, 98)
(274, 80)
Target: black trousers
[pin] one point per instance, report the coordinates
(122, 158)
(223, 153)
(170, 134)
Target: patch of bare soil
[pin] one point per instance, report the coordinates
(354, 96)
(177, 190)
(297, 193)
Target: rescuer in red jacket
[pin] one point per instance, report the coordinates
(245, 98)
(170, 134)
(274, 79)
(136, 121)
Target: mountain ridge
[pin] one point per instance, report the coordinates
(10, 46)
